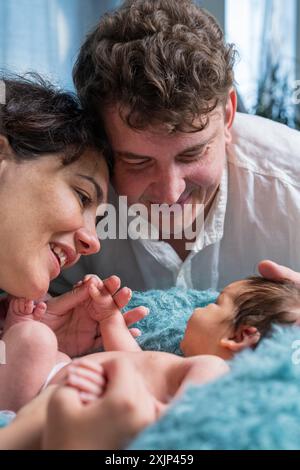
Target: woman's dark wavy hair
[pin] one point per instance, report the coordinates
(161, 61)
(38, 119)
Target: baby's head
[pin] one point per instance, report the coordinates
(242, 315)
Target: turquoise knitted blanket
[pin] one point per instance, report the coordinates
(163, 328)
(256, 406)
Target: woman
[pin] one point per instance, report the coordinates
(52, 178)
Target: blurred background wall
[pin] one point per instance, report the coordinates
(45, 35)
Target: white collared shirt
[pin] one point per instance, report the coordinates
(255, 215)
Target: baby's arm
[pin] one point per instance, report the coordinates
(114, 331)
(201, 370)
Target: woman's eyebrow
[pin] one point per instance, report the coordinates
(98, 189)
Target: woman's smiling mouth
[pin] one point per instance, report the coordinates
(64, 254)
(59, 254)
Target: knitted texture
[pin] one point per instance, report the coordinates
(163, 328)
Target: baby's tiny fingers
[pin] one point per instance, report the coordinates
(112, 284)
(94, 292)
(122, 297)
(87, 397)
(21, 305)
(28, 307)
(94, 280)
(83, 384)
(39, 310)
(92, 375)
(88, 364)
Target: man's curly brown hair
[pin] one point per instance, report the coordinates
(161, 61)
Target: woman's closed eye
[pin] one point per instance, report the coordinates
(84, 198)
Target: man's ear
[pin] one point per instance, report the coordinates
(245, 337)
(230, 111)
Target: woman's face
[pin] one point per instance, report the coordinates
(47, 214)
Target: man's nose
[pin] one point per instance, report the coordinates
(169, 186)
(86, 242)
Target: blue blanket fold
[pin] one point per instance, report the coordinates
(256, 406)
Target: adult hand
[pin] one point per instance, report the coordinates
(26, 430)
(276, 272)
(109, 422)
(72, 318)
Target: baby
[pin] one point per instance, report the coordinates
(242, 315)
(67, 326)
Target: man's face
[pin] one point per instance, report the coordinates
(153, 167)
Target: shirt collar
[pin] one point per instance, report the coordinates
(214, 223)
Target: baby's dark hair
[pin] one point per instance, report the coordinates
(39, 119)
(264, 303)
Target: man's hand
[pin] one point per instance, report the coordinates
(73, 319)
(276, 272)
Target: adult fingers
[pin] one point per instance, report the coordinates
(276, 272)
(65, 302)
(135, 315)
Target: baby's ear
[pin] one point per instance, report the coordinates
(245, 337)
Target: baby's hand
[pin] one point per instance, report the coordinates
(87, 377)
(106, 296)
(21, 309)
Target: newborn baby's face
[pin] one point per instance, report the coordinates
(209, 325)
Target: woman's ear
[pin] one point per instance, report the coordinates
(245, 337)
(5, 148)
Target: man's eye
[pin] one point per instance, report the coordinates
(195, 157)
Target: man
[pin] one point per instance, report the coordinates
(159, 75)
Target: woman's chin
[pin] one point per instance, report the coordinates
(36, 289)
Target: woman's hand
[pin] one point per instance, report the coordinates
(276, 272)
(26, 431)
(72, 317)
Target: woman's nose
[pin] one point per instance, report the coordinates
(87, 243)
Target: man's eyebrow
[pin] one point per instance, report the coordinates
(98, 189)
(130, 155)
(195, 148)
(200, 146)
